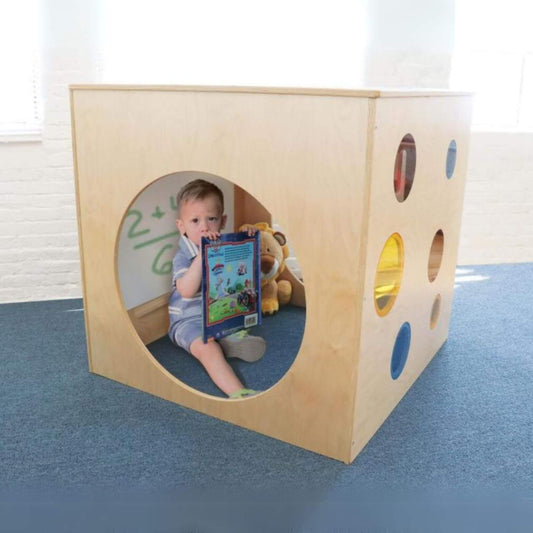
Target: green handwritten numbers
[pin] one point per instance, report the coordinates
(162, 261)
(164, 268)
(173, 204)
(158, 213)
(156, 239)
(134, 232)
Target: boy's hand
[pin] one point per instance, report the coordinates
(211, 235)
(250, 229)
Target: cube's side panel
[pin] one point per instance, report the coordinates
(80, 230)
(408, 322)
(300, 156)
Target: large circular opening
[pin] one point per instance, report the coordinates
(148, 244)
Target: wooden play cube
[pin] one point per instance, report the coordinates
(335, 169)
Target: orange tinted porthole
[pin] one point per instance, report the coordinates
(404, 167)
(389, 274)
(435, 255)
(435, 312)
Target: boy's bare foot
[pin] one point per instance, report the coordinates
(243, 393)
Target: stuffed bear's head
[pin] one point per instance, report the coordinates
(274, 251)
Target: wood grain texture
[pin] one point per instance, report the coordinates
(434, 203)
(318, 161)
(151, 320)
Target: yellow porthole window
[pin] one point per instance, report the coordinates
(389, 274)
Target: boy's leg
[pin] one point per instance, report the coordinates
(214, 362)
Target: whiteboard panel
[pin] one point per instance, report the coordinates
(149, 237)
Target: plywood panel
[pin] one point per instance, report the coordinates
(302, 157)
(321, 162)
(151, 320)
(434, 203)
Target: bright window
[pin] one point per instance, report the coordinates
(234, 42)
(493, 57)
(20, 99)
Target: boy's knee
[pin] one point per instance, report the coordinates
(203, 351)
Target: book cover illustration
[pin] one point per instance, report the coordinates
(231, 284)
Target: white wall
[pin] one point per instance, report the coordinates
(39, 248)
(409, 45)
(497, 225)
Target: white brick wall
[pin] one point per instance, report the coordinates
(38, 230)
(39, 257)
(497, 224)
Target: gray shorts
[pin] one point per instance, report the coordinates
(186, 331)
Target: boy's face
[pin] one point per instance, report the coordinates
(197, 217)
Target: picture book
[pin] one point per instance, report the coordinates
(231, 284)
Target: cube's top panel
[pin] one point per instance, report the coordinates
(360, 93)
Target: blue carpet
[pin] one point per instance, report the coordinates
(466, 424)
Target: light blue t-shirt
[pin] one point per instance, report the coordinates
(180, 308)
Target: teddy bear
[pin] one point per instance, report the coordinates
(274, 251)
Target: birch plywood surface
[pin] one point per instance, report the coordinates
(322, 164)
(302, 157)
(434, 203)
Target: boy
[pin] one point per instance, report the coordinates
(200, 207)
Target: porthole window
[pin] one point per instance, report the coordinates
(404, 168)
(435, 255)
(389, 274)
(451, 159)
(435, 312)
(400, 351)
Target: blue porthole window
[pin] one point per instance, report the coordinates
(400, 351)
(451, 158)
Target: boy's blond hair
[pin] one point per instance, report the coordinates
(198, 190)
